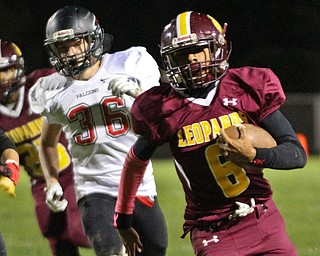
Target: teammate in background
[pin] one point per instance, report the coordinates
(82, 98)
(63, 230)
(229, 209)
(9, 172)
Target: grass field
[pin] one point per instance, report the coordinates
(296, 192)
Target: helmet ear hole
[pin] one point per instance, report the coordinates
(107, 42)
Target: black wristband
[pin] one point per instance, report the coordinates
(122, 221)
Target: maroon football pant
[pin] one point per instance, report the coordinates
(63, 230)
(260, 233)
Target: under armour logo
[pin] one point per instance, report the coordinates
(214, 239)
(233, 102)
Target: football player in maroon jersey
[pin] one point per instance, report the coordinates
(62, 229)
(229, 209)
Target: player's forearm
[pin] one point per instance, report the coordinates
(286, 156)
(9, 164)
(10, 154)
(10, 168)
(5, 144)
(49, 160)
(289, 154)
(131, 178)
(48, 151)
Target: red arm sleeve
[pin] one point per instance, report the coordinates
(131, 177)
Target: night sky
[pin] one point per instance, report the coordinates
(281, 35)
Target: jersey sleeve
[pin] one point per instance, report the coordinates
(151, 115)
(42, 94)
(273, 94)
(36, 97)
(259, 90)
(142, 66)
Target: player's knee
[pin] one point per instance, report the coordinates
(107, 247)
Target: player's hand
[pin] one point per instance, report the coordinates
(124, 85)
(7, 186)
(243, 209)
(131, 241)
(53, 197)
(10, 169)
(241, 146)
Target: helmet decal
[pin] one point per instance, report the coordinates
(16, 49)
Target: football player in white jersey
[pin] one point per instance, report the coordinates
(90, 98)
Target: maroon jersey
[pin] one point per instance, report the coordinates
(24, 128)
(211, 184)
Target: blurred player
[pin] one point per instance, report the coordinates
(229, 209)
(9, 173)
(63, 230)
(82, 98)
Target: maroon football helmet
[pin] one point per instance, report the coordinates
(192, 32)
(11, 56)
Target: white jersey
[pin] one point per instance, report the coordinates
(98, 124)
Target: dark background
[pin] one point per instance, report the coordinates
(281, 35)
